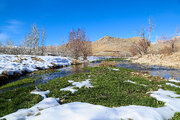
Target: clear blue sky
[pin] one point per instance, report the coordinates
(117, 18)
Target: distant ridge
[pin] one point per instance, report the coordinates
(112, 46)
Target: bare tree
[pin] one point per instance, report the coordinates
(172, 41)
(74, 44)
(63, 48)
(35, 37)
(32, 40)
(142, 46)
(44, 36)
(149, 31)
(79, 44)
(86, 45)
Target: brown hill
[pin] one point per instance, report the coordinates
(112, 46)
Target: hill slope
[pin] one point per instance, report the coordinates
(111, 46)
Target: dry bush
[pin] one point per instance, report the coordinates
(78, 44)
(142, 46)
(108, 63)
(166, 50)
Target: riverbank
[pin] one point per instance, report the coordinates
(15, 66)
(111, 89)
(169, 60)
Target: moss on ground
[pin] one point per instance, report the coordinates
(176, 116)
(110, 89)
(18, 83)
(113, 59)
(16, 99)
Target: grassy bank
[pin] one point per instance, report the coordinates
(111, 88)
(19, 83)
(113, 59)
(16, 99)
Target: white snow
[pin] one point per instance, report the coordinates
(172, 85)
(85, 83)
(176, 81)
(130, 81)
(41, 93)
(20, 63)
(50, 109)
(115, 69)
(69, 88)
(135, 83)
(24, 114)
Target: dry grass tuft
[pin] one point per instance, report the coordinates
(108, 63)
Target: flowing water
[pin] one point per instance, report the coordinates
(155, 70)
(44, 78)
(164, 72)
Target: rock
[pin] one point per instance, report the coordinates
(62, 101)
(54, 66)
(5, 73)
(3, 77)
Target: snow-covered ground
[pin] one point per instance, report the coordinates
(29, 63)
(20, 63)
(50, 109)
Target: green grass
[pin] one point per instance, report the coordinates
(176, 116)
(113, 59)
(11, 101)
(19, 83)
(110, 89)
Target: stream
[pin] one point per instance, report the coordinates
(164, 72)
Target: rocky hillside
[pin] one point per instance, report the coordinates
(111, 46)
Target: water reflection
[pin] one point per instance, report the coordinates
(155, 70)
(44, 78)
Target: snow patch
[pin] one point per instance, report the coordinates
(50, 109)
(115, 69)
(129, 81)
(176, 81)
(173, 85)
(85, 83)
(135, 83)
(69, 88)
(41, 93)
